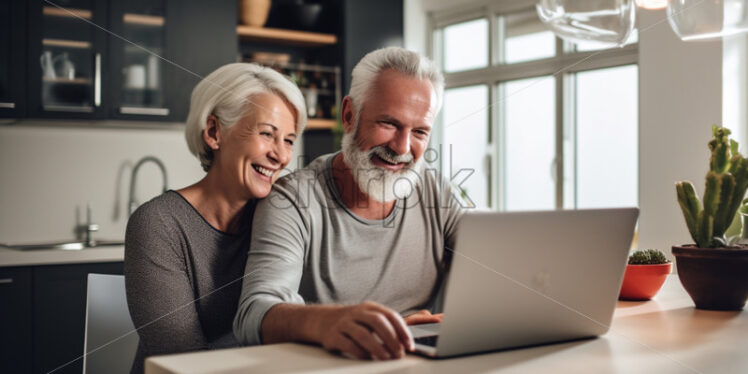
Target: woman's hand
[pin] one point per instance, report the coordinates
(366, 330)
(423, 316)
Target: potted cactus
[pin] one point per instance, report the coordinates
(714, 271)
(645, 274)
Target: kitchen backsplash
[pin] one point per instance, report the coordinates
(48, 174)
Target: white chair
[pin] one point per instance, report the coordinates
(111, 340)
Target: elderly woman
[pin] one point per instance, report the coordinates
(185, 251)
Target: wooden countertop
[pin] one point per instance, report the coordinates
(665, 335)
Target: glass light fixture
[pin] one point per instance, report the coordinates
(608, 23)
(652, 4)
(707, 19)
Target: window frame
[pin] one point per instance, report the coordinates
(563, 67)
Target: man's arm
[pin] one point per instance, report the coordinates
(271, 310)
(367, 330)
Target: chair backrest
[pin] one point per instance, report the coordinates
(111, 340)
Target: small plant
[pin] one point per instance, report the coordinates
(743, 207)
(647, 257)
(726, 183)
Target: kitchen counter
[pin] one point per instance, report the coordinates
(12, 257)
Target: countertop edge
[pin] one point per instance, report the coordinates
(11, 257)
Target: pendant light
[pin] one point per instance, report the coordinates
(707, 19)
(606, 23)
(652, 4)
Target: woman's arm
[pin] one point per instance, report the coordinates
(160, 293)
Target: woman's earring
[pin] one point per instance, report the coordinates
(215, 147)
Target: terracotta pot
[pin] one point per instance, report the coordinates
(254, 12)
(716, 278)
(642, 282)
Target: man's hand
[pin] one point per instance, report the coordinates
(423, 316)
(367, 330)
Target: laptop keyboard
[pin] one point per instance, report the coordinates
(427, 340)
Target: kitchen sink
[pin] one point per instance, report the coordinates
(66, 246)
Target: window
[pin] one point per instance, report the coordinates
(467, 108)
(525, 38)
(539, 123)
(606, 162)
(589, 46)
(468, 43)
(529, 142)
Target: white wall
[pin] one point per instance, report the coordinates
(50, 173)
(680, 98)
(735, 88)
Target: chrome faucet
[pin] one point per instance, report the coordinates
(131, 203)
(89, 228)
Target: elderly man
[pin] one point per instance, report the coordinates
(344, 248)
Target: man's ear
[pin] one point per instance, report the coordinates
(347, 114)
(211, 133)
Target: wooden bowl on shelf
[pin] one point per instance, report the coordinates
(254, 12)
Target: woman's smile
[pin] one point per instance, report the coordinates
(265, 173)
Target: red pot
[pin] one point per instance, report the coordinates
(641, 282)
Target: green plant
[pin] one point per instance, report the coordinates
(647, 257)
(726, 183)
(743, 207)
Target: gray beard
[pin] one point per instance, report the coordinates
(379, 184)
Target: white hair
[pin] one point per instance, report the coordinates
(226, 93)
(401, 60)
(381, 184)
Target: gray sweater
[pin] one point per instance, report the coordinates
(307, 247)
(183, 277)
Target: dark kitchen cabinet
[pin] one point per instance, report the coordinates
(167, 47)
(205, 34)
(369, 25)
(131, 60)
(137, 59)
(66, 57)
(59, 314)
(15, 320)
(12, 58)
(43, 315)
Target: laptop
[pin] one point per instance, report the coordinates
(530, 278)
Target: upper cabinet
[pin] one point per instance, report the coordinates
(66, 59)
(12, 58)
(140, 59)
(107, 59)
(137, 59)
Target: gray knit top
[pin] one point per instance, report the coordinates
(183, 277)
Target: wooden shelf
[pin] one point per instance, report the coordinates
(143, 20)
(320, 124)
(264, 34)
(67, 81)
(67, 13)
(77, 44)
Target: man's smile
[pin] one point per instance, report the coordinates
(385, 163)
